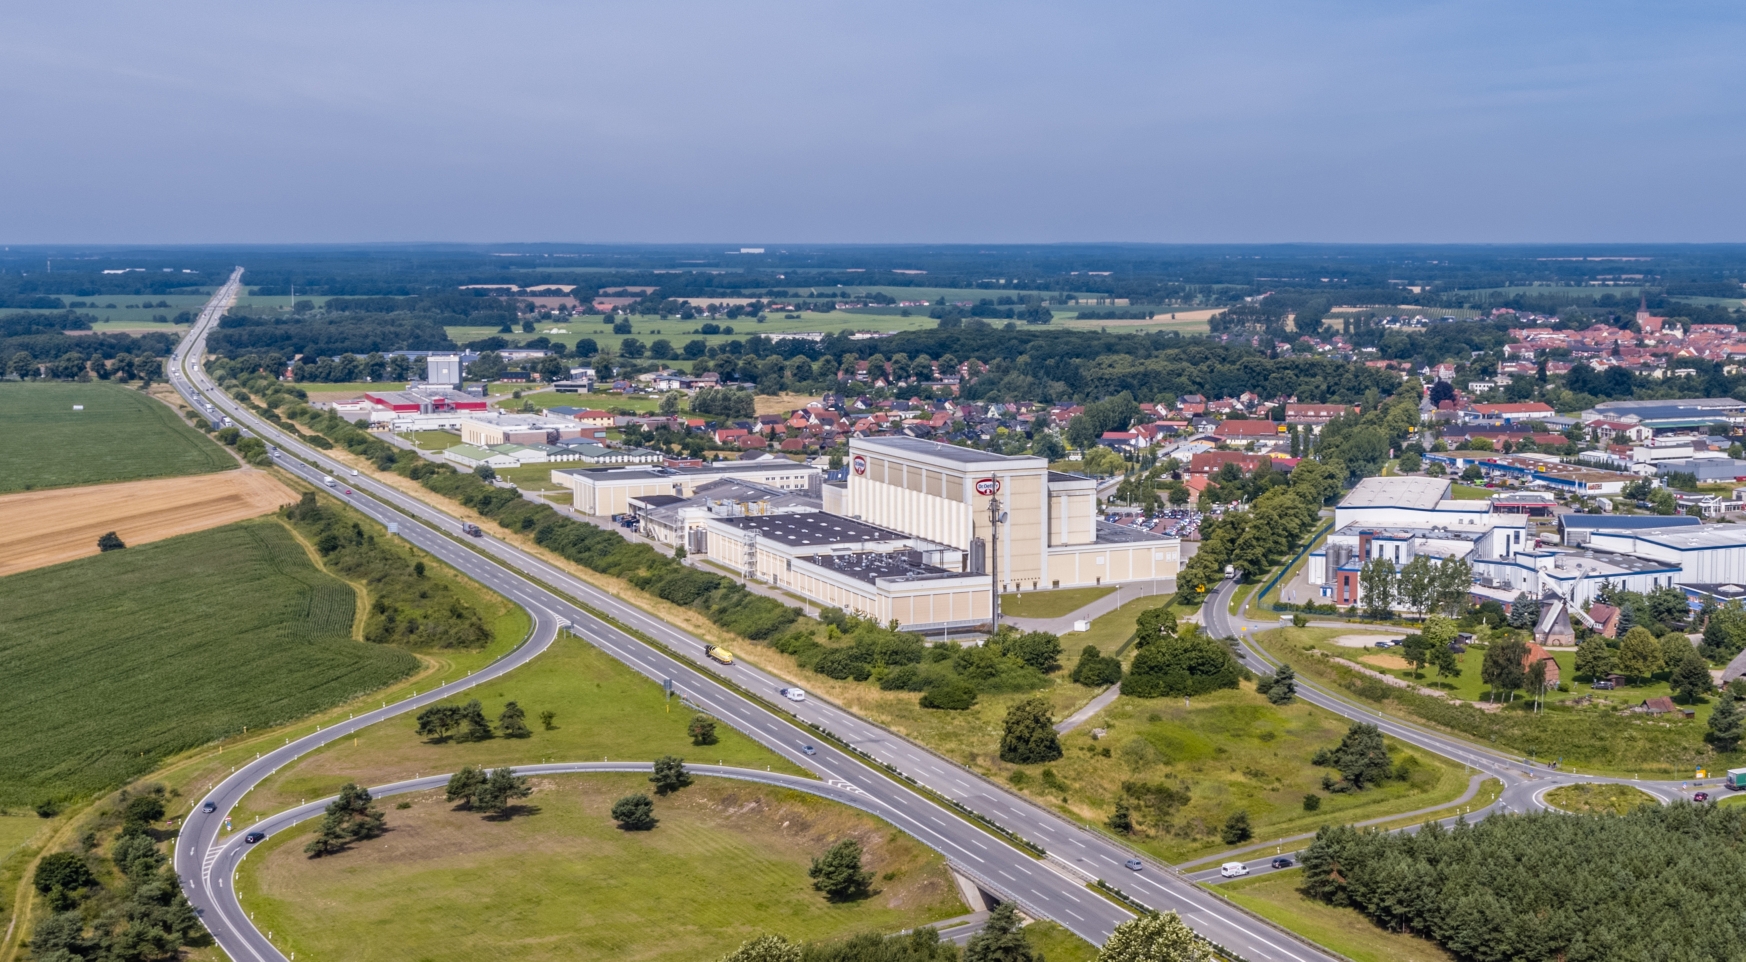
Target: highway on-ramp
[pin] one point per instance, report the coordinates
(1052, 887)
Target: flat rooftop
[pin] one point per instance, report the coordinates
(1627, 522)
(816, 528)
(870, 566)
(1124, 534)
(1689, 405)
(943, 451)
(1699, 537)
(1423, 494)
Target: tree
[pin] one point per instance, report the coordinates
(1237, 830)
(1282, 687)
(1186, 664)
(464, 785)
(1096, 670)
(1377, 587)
(1593, 657)
(701, 730)
(1416, 584)
(140, 813)
(1524, 611)
(349, 818)
(765, 948)
(1039, 649)
(1725, 632)
(64, 871)
(1674, 647)
(1725, 724)
(838, 872)
(1155, 937)
(513, 722)
(1416, 650)
(547, 717)
(1444, 661)
(1029, 737)
(503, 787)
(110, 542)
(1504, 669)
(634, 813)
(1410, 462)
(1362, 756)
(1001, 939)
(1639, 653)
(472, 715)
(485, 473)
(1122, 820)
(1691, 677)
(670, 774)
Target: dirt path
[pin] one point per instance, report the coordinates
(40, 528)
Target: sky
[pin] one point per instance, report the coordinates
(767, 122)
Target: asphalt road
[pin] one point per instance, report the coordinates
(1052, 888)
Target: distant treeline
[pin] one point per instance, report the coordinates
(324, 335)
(33, 346)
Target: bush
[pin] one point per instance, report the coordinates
(1190, 664)
(951, 695)
(634, 813)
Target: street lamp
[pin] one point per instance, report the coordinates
(995, 517)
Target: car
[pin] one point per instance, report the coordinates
(1281, 862)
(1603, 685)
(808, 750)
(1135, 864)
(1701, 797)
(209, 808)
(1385, 644)
(793, 694)
(1233, 870)
(254, 837)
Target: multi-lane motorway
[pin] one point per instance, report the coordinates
(740, 695)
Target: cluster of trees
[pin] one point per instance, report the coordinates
(327, 335)
(636, 812)
(949, 676)
(492, 793)
(347, 819)
(1641, 655)
(723, 403)
(1259, 538)
(1421, 585)
(440, 723)
(1362, 760)
(408, 608)
(34, 346)
(128, 910)
(1169, 663)
(1661, 882)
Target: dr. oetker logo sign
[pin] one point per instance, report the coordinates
(859, 463)
(988, 487)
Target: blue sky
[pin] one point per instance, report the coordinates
(761, 122)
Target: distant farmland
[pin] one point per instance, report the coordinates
(121, 435)
(116, 661)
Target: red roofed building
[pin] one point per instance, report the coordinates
(1519, 411)
(1207, 462)
(1249, 430)
(1313, 414)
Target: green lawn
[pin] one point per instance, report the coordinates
(727, 862)
(1056, 944)
(1467, 492)
(1599, 798)
(604, 710)
(131, 656)
(1274, 896)
(121, 435)
(1050, 604)
(433, 440)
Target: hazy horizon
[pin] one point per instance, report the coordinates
(673, 123)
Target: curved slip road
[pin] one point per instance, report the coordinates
(1052, 888)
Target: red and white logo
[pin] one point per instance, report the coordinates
(988, 487)
(859, 463)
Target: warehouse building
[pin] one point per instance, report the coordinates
(608, 491)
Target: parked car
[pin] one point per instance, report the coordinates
(1233, 869)
(1135, 864)
(254, 837)
(1385, 644)
(1281, 862)
(1603, 685)
(209, 808)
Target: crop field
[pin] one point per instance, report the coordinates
(132, 656)
(121, 435)
(727, 862)
(39, 528)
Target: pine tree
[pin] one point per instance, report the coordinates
(1237, 830)
(1001, 939)
(503, 787)
(464, 785)
(349, 818)
(1691, 677)
(670, 774)
(634, 813)
(1284, 686)
(701, 730)
(838, 872)
(1122, 821)
(513, 722)
(1725, 724)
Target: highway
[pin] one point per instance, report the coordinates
(1052, 888)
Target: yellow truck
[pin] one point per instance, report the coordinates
(718, 653)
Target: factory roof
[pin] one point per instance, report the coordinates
(1686, 405)
(1423, 494)
(945, 452)
(1124, 534)
(815, 528)
(871, 566)
(1627, 522)
(1699, 538)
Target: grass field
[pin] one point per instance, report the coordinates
(16, 828)
(1468, 492)
(1050, 604)
(1274, 896)
(132, 656)
(604, 710)
(121, 435)
(1597, 798)
(127, 312)
(1056, 944)
(727, 862)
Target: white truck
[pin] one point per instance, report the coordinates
(329, 481)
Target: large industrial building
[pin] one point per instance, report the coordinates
(608, 491)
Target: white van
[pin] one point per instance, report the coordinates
(793, 694)
(1233, 869)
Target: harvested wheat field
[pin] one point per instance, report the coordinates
(40, 528)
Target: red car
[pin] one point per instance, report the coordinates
(1701, 797)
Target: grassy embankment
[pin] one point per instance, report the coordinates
(1274, 896)
(727, 862)
(1587, 729)
(1050, 604)
(121, 435)
(1599, 798)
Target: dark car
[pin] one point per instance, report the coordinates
(1134, 864)
(1603, 684)
(209, 808)
(1701, 797)
(1281, 862)
(254, 837)
(808, 749)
